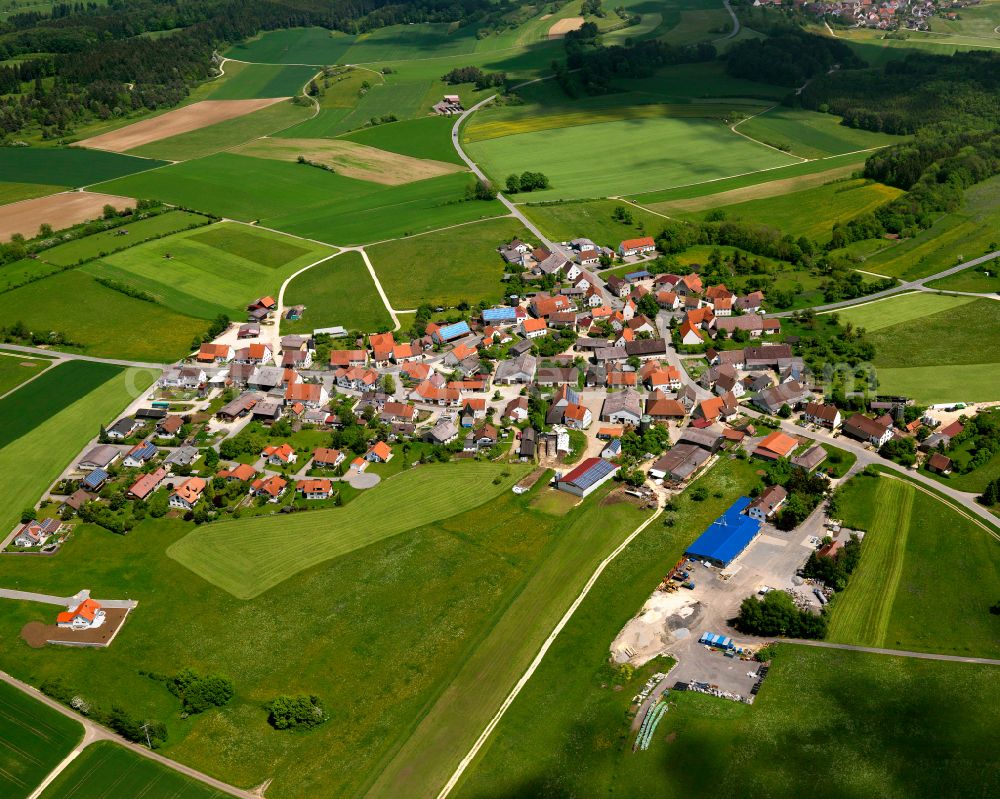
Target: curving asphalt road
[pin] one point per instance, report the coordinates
(736, 23)
(912, 285)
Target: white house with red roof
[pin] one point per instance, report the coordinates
(85, 616)
(280, 455)
(638, 246)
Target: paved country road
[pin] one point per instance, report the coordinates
(59, 355)
(95, 732)
(893, 652)
(912, 285)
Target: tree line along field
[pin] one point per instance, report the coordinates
(525, 567)
(811, 212)
(914, 541)
(935, 348)
(16, 369)
(208, 271)
(51, 419)
(33, 740)
(337, 292)
(246, 558)
(445, 267)
(811, 134)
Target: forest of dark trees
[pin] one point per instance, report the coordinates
(790, 57)
(98, 50)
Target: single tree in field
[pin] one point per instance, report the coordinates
(513, 184)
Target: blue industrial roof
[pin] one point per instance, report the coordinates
(454, 331)
(591, 471)
(95, 478)
(499, 314)
(727, 536)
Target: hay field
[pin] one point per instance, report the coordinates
(58, 210)
(350, 159)
(181, 120)
(559, 29)
(246, 558)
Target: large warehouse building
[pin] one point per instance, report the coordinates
(586, 477)
(727, 536)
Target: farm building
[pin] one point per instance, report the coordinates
(586, 477)
(727, 536)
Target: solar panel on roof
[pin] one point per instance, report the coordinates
(95, 478)
(599, 470)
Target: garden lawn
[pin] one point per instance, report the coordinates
(67, 166)
(446, 267)
(337, 292)
(226, 134)
(107, 769)
(811, 134)
(262, 81)
(121, 238)
(915, 541)
(420, 138)
(53, 429)
(101, 321)
(811, 212)
(246, 558)
(329, 625)
(628, 156)
(15, 369)
(34, 739)
(211, 270)
(592, 219)
(15, 192)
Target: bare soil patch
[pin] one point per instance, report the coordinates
(350, 159)
(564, 26)
(36, 634)
(758, 192)
(59, 210)
(181, 120)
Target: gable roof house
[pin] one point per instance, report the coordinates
(187, 494)
(791, 393)
(214, 353)
(99, 457)
(270, 487)
(519, 370)
(618, 286)
(622, 407)
(873, 431)
(776, 445)
(768, 503)
(822, 414)
(36, 532)
(444, 432)
(646, 348)
(279, 455)
(139, 454)
(690, 335)
(636, 246)
(315, 488)
(679, 463)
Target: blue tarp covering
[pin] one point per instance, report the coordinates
(727, 536)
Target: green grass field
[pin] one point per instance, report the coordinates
(309, 202)
(446, 267)
(338, 292)
(105, 769)
(33, 740)
(227, 134)
(15, 369)
(101, 321)
(902, 309)
(984, 281)
(811, 134)
(811, 212)
(916, 545)
(67, 167)
(53, 430)
(294, 45)
(962, 383)
(593, 219)
(15, 192)
(110, 241)
(420, 138)
(211, 270)
(263, 80)
(638, 155)
(861, 614)
(247, 558)
(898, 725)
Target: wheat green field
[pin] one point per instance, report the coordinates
(246, 558)
(212, 270)
(638, 155)
(263, 80)
(105, 769)
(33, 740)
(15, 192)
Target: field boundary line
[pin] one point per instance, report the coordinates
(802, 160)
(438, 230)
(516, 690)
(378, 286)
(901, 653)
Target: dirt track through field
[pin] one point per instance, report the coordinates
(759, 191)
(59, 210)
(564, 26)
(181, 120)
